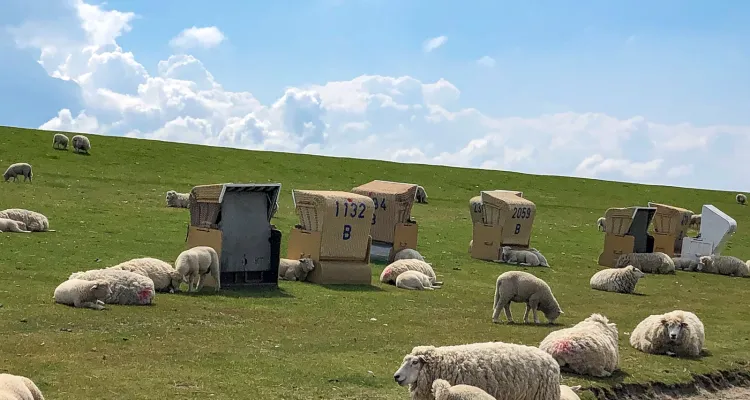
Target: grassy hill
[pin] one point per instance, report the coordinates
(307, 341)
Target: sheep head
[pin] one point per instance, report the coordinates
(101, 289)
(704, 261)
(307, 264)
(408, 372)
(637, 272)
(674, 326)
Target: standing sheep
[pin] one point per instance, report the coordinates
(34, 221)
(164, 276)
(600, 224)
(504, 370)
(522, 287)
(695, 222)
(442, 390)
(295, 270)
(396, 268)
(60, 141)
(741, 198)
(126, 287)
(405, 254)
(520, 257)
(81, 293)
(676, 333)
(618, 280)
(17, 387)
(587, 348)
(650, 263)
(723, 265)
(420, 196)
(23, 169)
(569, 392)
(178, 200)
(9, 225)
(195, 263)
(81, 143)
(684, 264)
(415, 280)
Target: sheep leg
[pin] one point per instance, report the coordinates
(200, 284)
(496, 314)
(88, 304)
(526, 314)
(508, 314)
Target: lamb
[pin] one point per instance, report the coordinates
(684, 264)
(178, 200)
(23, 169)
(504, 370)
(405, 254)
(164, 276)
(650, 263)
(741, 198)
(421, 195)
(82, 293)
(81, 143)
(193, 264)
(600, 224)
(521, 257)
(618, 280)
(569, 392)
(695, 222)
(60, 141)
(127, 287)
(34, 221)
(587, 348)
(295, 270)
(17, 387)
(9, 225)
(523, 287)
(542, 258)
(415, 280)
(442, 390)
(396, 268)
(723, 265)
(676, 333)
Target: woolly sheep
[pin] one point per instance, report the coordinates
(34, 221)
(741, 198)
(569, 392)
(9, 225)
(684, 264)
(60, 141)
(650, 263)
(723, 265)
(405, 254)
(396, 268)
(415, 280)
(295, 270)
(81, 143)
(442, 390)
(523, 287)
(676, 333)
(618, 280)
(540, 256)
(17, 387)
(164, 276)
(520, 257)
(175, 199)
(23, 169)
(81, 293)
(600, 224)
(420, 196)
(504, 370)
(194, 263)
(695, 221)
(126, 287)
(587, 348)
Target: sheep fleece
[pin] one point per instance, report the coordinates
(160, 272)
(405, 254)
(414, 280)
(392, 271)
(443, 390)
(35, 222)
(650, 263)
(723, 265)
(127, 287)
(587, 348)
(17, 387)
(651, 335)
(618, 280)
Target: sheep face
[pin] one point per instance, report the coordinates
(307, 264)
(505, 253)
(6, 176)
(21, 225)
(703, 262)
(409, 371)
(388, 276)
(171, 195)
(101, 289)
(637, 272)
(552, 315)
(674, 328)
(174, 283)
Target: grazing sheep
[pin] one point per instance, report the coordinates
(17, 387)
(504, 370)
(523, 287)
(165, 277)
(194, 263)
(126, 287)
(34, 221)
(442, 390)
(23, 169)
(684, 264)
(676, 333)
(723, 265)
(542, 259)
(600, 224)
(60, 141)
(405, 254)
(618, 280)
(396, 268)
(9, 225)
(650, 263)
(178, 200)
(695, 222)
(569, 392)
(420, 196)
(415, 280)
(741, 198)
(81, 293)
(81, 143)
(520, 257)
(587, 348)
(295, 270)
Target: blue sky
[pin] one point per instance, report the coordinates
(624, 90)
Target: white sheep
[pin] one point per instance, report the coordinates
(519, 257)
(60, 141)
(126, 287)
(600, 224)
(178, 200)
(695, 222)
(542, 259)
(741, 198)
(405, 254)
(650, 263)
(23, 169)
(81, 143)
(618, 280)
(81, 293)
(396, 268)
(587, 348)
(523, 287)
(295, 270)
(165, 276)
(569, 392)
(504, 370)
(9, 225)
(723, 265)
(676, 333)
(17, 387)
(420, 196)
(684, 264)
(415, 280)
(34, 221)
(442, 390)
(195, 263)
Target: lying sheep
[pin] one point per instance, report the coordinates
(684, 264)
(695, 222)
(569, 392)
(81, 293)
(520, 257)
(723, 265)
(618, 280)
(504, 370)
(741, 198)
(195, 263)
(295, 270)
(676, 333)
(540, 256)
(522, 287)
(442, 390)
(9, 225)
(587, 348)
(60, 141)
(164, 276)
(650, 263)
(415, 280)
(34, 221)
(600, 224)
(421, 195)
(17, 387)
(396, 268)
(23, 169)
(178, 200)
(126, 287)
(405, 254)
(81, 143)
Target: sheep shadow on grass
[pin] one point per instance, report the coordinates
(258, 293)
(353, 288)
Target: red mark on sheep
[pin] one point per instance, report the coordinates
(350, 200)
(144, 294)
(563, 346)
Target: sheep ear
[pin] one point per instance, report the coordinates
(663, 321)
(422, 359)
(94, 286)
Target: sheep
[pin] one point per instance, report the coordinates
(506, 371)
(695, 221)
(587, 348)
(178, 200)
(523, 287)
(82, 293)
(394, 269)
(520, 257)
(650, 263)
(442, 390)
(60, 141)
(126, 287)
(295, 270)
(676, 333)
(723, 265)
(415, 280)
(569, 392)
(684, 264)
(420, 196)
(542, 259)
(165, 276)
(9, 225)
(34, 221)
(741, 198)
(618, 280)
(405, 254)
(17, 387)
(81, 143)
(194, 263)
(600, 224)
(16, 169)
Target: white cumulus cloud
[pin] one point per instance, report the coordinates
(206, 37)
(433, 43)
(486, 61)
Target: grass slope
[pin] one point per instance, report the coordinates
(308, 341)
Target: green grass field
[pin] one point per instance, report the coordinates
(307, 341)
